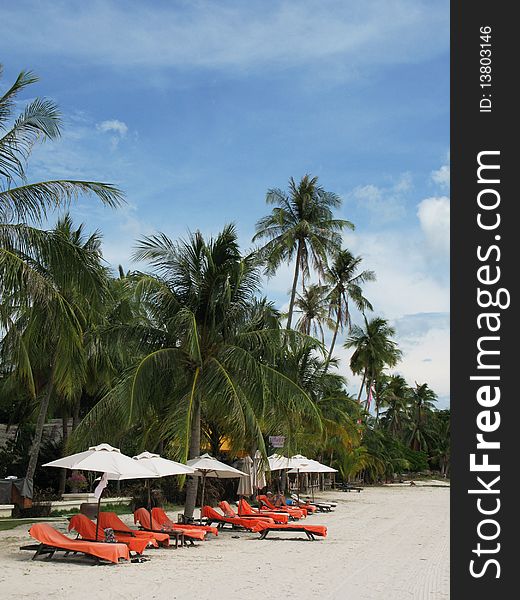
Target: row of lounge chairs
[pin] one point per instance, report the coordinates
(156, 529)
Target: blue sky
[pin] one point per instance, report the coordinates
(195, 109)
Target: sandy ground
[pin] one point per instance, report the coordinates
(386, 542)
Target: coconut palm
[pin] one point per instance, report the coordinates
(422, 402)
(302, 227)
(313, 306)
(23, 202)
(395, 399)
(342, 275)
(44, 342)
(373, 351)
(200, 356)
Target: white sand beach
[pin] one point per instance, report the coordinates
(387, 543)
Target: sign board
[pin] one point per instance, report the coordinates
(277, 441)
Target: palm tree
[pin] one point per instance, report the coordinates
(312, 304)
(395, 398)
(346, 284)
(422, 401)
(22, 202)
(373, 351)
(300, 227)
(44, 343)
(200, 357)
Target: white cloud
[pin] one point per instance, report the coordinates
(442, 176)
(113, 125)
(434, 217)
(118, 128)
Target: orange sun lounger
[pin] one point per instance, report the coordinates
(229, 512)
(309, 530)
(245, 510)
(87, 530)
(161, 517)
(110, 519)
(307, 506)
(142, 516)
(52, 541)
(236, 522)
(296, 513)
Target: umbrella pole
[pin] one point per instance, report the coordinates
(97, 516)
(202, 494)
(149, 501)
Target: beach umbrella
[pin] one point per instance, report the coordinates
(107, 460)
(307, 465)
(245, 484)
(160, 467)
(277, 462)
(207, 466)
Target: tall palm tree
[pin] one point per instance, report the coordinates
(302, 227)
(346, 284)
(374, 350)
(395, 399)
(200, 356)
(23, 202)
(313, 306)
(422, 401)
(44, 343)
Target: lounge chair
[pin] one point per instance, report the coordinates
(310, 530)
(52, 541)
(84, 527)
(225, 507)
(320, 506)
(297, 503)
(295, 513)
(162, 518)
(212, 516)
(246, 510)
(110, 519)
(348, 487)
(142, 517)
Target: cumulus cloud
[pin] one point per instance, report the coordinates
(442, 176)
(119, 129)
(434, 218)
(113, 125)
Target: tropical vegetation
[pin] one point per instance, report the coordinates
(187, 354)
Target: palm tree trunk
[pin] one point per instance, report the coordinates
(369, 386)
(194, 451)
(333, 343)
(362, 386)
(38, 433)
(294, 286)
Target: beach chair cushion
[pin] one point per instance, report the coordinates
(297, 513)
(47, 535)
(225, 507)
(214, 517)
(110, 519)
(245, 509)
(87, 530)
(161, 517)
(142, 516)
